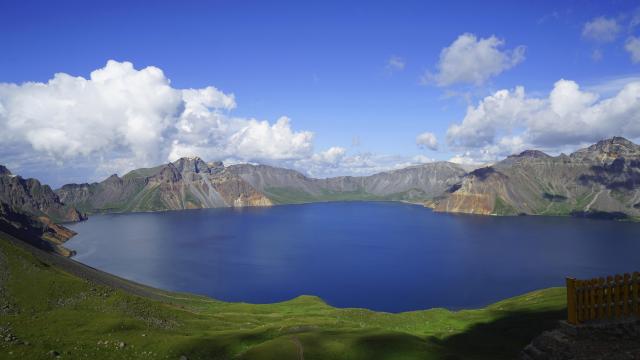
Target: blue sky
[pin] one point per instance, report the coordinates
(325, 66)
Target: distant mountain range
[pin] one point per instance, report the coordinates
(602, 180)
(415, 183)
(191, 183)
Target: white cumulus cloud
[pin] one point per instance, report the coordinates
(474, 60)
(509, 121)
(331, 156)
(72, 128)
(123, 118)
(427, 140)
(117, 107)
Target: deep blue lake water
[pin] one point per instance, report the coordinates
(377, 255)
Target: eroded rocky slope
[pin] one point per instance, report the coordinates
(188, 183)
(415, 183)
(602, 180)
(34, 198)
(30, 210)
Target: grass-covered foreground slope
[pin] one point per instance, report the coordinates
(52, 306)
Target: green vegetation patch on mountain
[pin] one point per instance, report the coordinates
(503, 208)
(52, 306)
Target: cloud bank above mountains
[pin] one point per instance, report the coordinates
(121, 118)
(509, 121)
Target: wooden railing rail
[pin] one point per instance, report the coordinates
(614, 298)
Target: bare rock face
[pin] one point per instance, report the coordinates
(30, 210)
(474, 194)
(602, 180)
(238, 193)
(415, 183)
(31, 197)
(187, 183)
(608, 150)
(4, 171)
(39, 231)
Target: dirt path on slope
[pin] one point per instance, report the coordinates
(299, 346)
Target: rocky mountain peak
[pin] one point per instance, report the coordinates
(191, 164)
(612, 148)
(36, 199)
(113, 178)
(536, 154)
(4, 171)
(617, 145)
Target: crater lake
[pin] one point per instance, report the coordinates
(382, 256)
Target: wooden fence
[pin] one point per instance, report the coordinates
(614, 298)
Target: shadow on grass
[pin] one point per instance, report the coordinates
(503, 338)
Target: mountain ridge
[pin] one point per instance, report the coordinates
(187, 183)
(32, 211)
(599, 180)
(193, 183)
(34, 198)
(602, 180)
(417, 183)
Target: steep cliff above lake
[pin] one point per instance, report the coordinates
(34, 198)
(188, 183)
(602, 180)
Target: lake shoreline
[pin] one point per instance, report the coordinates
(286, 250)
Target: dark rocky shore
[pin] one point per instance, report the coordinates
(605, 341)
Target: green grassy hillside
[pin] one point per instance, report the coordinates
(52, 306)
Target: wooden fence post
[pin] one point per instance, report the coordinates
(593, 314)
(601, 300)
(572, 311)
(635, 310)
(609, 297)
(617, 296)
(580, 299)
(625, 295)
